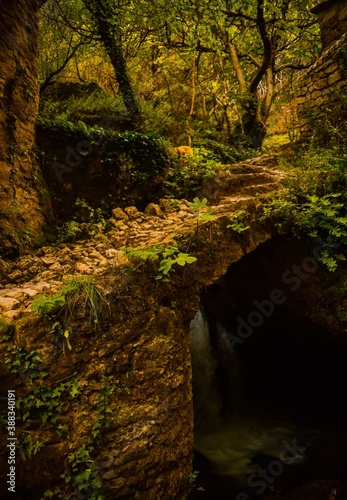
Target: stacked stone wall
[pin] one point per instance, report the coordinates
(322, 90)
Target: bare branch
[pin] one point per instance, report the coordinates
(254, 60)
(230, 13)
(48, 80)
(298, 66)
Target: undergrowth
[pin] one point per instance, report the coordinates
(314, 201)
(170, 256)
(187, 173)
(63, 303)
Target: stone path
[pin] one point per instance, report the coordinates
(234, 188)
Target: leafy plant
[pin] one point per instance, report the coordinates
(86, 213)
(49, 305)
(192, 480)
(6, 330)
(238, 222)
(203, 212)
(197, 205)
(25, 363)
(93, 218)
(64, 332)
(47, 402)
(324, 217)
(82, 476)
(27, 446)
(172, 256)
(68, 232)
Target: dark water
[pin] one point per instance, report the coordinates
(259, 408)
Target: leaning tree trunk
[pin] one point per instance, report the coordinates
(109, 30)
(21, 187)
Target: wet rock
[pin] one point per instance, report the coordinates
(111, 253)
(121, 225)
(322, 490)
(55, 267)
(31, 292)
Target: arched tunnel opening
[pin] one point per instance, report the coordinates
(269, 381)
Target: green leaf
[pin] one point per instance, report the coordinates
(74, 391)
(190, 259)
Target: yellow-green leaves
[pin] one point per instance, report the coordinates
(172, 256)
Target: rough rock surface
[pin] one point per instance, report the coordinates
(140, 346)
(22, 200)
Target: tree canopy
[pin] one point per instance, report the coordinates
(190, 65)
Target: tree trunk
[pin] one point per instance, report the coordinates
(253, 128)
(21, 185)
(110, 34)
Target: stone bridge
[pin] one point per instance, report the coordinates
(140, 349)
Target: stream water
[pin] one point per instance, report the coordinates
(250, 451)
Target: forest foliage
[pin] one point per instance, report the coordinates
(203, 69)
(216, 75)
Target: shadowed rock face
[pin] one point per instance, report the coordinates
(142, 346)
(21, 205)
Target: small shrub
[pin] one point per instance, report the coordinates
(314, 202)
(69, 232)
(172, 256)
(144, 155)
(238, 222)
(66, 299)
(188, 173)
